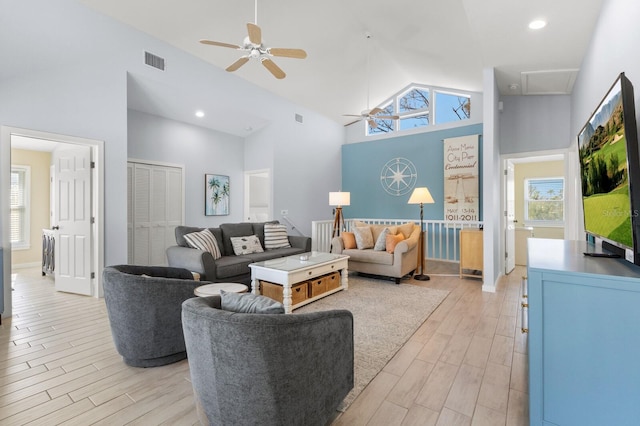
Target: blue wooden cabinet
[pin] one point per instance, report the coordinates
(584, 336)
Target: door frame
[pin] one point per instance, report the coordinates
(97, 201)
(570, 193)
(247, 191)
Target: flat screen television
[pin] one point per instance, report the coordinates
(610, 172)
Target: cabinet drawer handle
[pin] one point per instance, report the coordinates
(524, 287)
(524, 329)
(310, 272)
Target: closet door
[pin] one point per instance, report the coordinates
(157, 208)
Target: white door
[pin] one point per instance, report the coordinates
(510, 214)
(257, 196)
(73, 219)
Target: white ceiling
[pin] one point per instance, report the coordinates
(432, 42)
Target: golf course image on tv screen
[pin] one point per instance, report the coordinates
(604, 171)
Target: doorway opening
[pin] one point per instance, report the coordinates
(257, 195)
(75, 174)
(517, 228)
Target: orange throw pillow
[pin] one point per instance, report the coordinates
(349, 240)
(392, 241)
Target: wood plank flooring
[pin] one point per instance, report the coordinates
(466, 365)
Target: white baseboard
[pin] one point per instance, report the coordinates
(26, 265)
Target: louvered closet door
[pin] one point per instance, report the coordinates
(157, 210)
(141, 214)
(130, 194)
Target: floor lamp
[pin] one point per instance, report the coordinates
(338, 199)
(421, 196)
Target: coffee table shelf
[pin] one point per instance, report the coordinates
(291, 270)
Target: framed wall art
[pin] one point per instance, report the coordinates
(216, 195)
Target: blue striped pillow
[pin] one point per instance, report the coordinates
(205, 241)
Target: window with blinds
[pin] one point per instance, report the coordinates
(544, 202)
(19, 221)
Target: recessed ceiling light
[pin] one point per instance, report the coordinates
(537, 24)
(199, 114)
(513, 86)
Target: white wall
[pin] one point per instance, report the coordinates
(492, 178)
(613, 49)
(534, 123)
(201, 151)
(305, 160)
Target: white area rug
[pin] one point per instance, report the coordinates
(385, 315)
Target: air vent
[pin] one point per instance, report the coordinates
(154, 61)
(299, 118)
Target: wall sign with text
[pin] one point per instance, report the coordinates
(461, 180)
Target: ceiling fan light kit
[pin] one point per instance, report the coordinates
(255, 49)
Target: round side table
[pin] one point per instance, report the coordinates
(214, 289)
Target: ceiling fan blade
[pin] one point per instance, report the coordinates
(273, 68)
(218, 43)
(288, 53)
(352, 115)
(387, 117)
(237, 64)
(255, 33)
(373, 124)
(376, 111)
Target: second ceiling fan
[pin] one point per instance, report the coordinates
(255, 49)
(371, 115)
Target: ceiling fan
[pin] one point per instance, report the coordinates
(255, 49)
(371, 115)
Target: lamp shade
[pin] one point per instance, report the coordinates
(421, 196)
(339, 198)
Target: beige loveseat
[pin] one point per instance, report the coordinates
(402, 261)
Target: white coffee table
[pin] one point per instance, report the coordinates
(290, 270)
(214, 289)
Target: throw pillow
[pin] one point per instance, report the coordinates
(376, 230)
(246, 245)
(349, 240)
(275, 236)
(364, 238)
(205, 241)
(381, 242)
(249, 303)
(392, 241)
(406, 229)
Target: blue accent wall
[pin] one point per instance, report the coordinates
(362, 165)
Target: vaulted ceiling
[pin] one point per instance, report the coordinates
(432, 42)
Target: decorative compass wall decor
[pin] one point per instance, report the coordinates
(398, 176)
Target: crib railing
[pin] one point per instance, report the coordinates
(442, 238)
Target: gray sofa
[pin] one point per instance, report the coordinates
(144, 305)
(229, 268)
(294, 369)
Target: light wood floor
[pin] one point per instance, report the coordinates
(465, 365)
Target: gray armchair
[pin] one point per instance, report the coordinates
(267, 369)
(144, 306)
